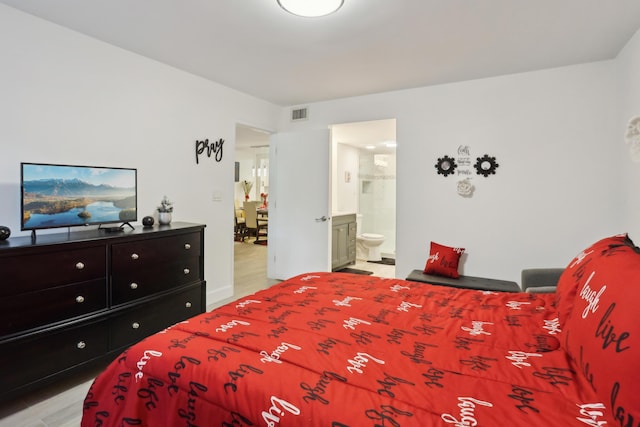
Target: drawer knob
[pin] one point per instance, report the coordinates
(186, 271)
(80, 265)
(188, 304)
(135, 325)
(134, 256)
(133, 286)
(187, 246)
(79, 299)
(81, 345)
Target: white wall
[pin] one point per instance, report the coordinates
(70, 99)
(629, 105)
(564, 179)
(345, 194)
(377, 199)
(558, 184)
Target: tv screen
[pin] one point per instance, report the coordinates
(65, 196)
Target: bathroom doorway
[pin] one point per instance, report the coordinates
(363, 181)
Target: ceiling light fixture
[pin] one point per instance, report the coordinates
(310, 8)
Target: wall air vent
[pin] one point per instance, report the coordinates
(299, 114)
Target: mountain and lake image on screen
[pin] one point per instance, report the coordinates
(64, 196)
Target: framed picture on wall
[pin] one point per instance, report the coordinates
(237, 172)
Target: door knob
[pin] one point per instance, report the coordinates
(323, 218)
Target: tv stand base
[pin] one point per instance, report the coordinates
(115, 228)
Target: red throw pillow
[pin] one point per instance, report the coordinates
(443, 260)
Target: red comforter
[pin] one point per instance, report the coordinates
(333, 349)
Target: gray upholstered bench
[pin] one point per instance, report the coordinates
(540, 280)
(466, 282)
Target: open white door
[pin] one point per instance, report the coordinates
(299, 220)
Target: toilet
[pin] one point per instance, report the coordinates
(367, 244)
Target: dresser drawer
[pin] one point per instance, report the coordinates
(57, 315)
(26, 311)
(136, 324)
(28, 360)
(133, 284)
(149, 253)
(34, 272)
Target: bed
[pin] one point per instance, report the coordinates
(336, 349)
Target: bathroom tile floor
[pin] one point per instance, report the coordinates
(381, 270)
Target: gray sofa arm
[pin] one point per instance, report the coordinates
(540, 279)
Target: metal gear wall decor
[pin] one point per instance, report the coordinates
(446, 165)
(486, 165)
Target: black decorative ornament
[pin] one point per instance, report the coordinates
(446, 165)
(148, 221)
(5, 232)
(486, 165)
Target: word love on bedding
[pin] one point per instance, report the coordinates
(214, 148)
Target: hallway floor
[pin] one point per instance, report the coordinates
(250, 268)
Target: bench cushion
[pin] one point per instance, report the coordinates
(466, 282)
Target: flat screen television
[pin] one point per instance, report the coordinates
(66, 195)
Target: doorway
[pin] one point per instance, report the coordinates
(364, 182)
(252, 164)
(374, 140)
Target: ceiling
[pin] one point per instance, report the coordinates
(250, 138)
(368, 46)
(373, 136)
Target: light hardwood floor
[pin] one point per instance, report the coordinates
(60, 405)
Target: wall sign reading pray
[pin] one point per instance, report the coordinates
(214, 148)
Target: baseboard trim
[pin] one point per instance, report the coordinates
(216, 295)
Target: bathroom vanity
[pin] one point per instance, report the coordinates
(343, 241)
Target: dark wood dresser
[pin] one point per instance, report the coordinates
(72, 300)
